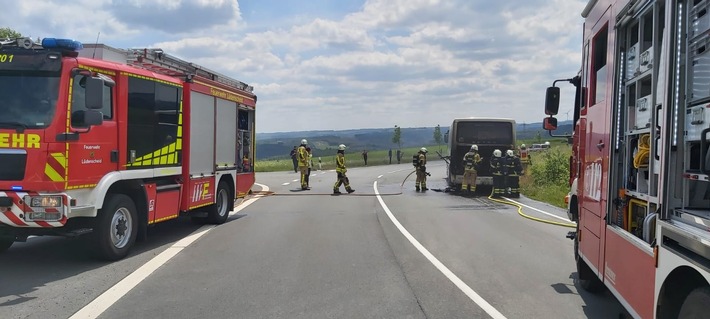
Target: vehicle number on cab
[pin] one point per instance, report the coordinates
(6, 58)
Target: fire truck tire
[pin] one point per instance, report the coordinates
(5, 244)
(218, 212)
(591, 283)
(116, 228)
(696, 304)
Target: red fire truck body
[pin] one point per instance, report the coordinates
(108, 146)
(640, 191)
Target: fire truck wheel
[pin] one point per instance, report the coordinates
(591, 283)
(218, 212)
(696, 304)
(116, 228)
(5, 244)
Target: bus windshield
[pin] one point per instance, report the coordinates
(28, 99)
(484, 132)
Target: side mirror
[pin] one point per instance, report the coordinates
(86, 118)
(446, 137)
(94, 98)
(552, 100)
(549, 123)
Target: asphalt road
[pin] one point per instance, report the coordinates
(308, 254)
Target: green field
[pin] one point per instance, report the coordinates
(353, 159)
(547, 180)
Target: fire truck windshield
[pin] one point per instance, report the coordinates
(28, 99)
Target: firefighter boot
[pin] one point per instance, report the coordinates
(336, 191)
(350, 190)
(424, 187)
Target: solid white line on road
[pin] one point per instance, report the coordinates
(96, 307)
(284, 184)
(380, 176)
(535, 209)
(488, 308)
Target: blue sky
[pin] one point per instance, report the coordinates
(346, 64)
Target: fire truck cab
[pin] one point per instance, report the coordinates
(107, 142)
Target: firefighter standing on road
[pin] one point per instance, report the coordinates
(471, 160)
(420, 164)
(498, 170)
(524, 156)
(513, 170)
(310, 167)
(302, 155)
(341, 170)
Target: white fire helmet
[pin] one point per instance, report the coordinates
(341, 147)
(423, 150)
(522, 146)
(474, 147)
(304, 142)
(496, 153)
(509, 152)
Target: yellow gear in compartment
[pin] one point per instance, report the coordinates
(641, 157)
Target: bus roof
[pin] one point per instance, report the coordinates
(483, 119)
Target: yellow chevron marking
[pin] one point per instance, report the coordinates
(52, 174)
(59, 157)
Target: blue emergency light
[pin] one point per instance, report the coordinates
(66, 44)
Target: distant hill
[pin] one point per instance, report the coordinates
(324, 142)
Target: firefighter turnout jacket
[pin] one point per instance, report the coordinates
(471, 161)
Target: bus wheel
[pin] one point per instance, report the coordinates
(218, 212)
(696, 304)
(116, 228)
(5, 244)
(586, 278)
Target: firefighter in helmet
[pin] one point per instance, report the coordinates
(471, 160)
(513, 170)
(341, 170)
(303, 157)
(524, 156)
(419, 162)
(498, 171)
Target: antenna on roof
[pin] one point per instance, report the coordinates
(93, 56)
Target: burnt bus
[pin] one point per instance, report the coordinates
(489, 134)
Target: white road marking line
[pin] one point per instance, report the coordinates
(295, 180)
(544, 212)
(380, 176)
(488, 308)
(96, 307)
(284, 184)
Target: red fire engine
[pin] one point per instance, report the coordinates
(640, 190)
(108, 142)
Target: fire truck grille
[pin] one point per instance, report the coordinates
(13, 166)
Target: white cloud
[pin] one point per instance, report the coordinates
(405, 62)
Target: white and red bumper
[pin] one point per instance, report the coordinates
(32, 209)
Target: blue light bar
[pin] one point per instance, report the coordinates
(16, 188)
(67, 44)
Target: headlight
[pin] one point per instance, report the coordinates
(44, 208)
(45, 201)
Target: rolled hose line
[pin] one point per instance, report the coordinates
(644, 146)
(401, 187)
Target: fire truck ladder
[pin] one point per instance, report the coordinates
(156, 60)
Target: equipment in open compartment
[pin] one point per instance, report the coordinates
(699, 78)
